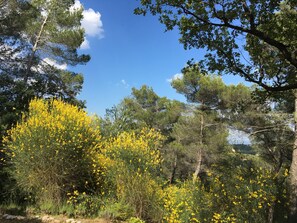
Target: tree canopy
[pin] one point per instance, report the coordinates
(144, 108)
(151, 158)
(253, 39)
(35, 50)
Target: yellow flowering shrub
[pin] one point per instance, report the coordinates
(178, 205)
(138, 152)
(51, 150)
(83, 204)
(248, 195)
(135, 162)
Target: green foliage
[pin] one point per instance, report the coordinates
(153, 111)
(11, 11)
(211, 93)
(34, 36)
(56, 155)
(199, 137)
(264, 56)
(253, 39)
(248, 195)
(119, 177)
(143, 109)
(142, 193)
(135, 220)
(134, 167)
(178, 204)
(50, 151)
(273, 139)
(199, 88)
(243, 194)
(116, 210)
(82, 204)
(12, 208)
(117, 119)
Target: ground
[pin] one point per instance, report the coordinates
(54, 219)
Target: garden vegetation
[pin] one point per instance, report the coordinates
(152, 159)
(61, 163)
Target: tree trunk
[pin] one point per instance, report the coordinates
(35, 47)
(171, 180)
(271, 213)
(199, 152)
(198, 166)
(293, 174)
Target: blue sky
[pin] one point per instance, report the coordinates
(128, 51)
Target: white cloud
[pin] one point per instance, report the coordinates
(175, 77)
(123, 82)
(55, 64)
(85, 45)
(91, 23)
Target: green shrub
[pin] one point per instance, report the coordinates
(179, 205)
(142, 193)
(51, 151)
(248, 194)
(116, 210)
(84, 205)
(244, 195)
(135, 220)
(135, 162)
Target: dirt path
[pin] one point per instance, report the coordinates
(47, 219)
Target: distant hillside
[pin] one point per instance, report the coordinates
(243, 148)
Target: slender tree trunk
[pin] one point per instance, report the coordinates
(198, 166)
(172, 177)
(293, 174)
(271, 213)
(277, 170)
(199, 152)
(35, 46)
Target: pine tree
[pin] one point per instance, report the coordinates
(36, 35)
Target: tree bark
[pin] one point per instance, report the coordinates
(199, 152)
(271, 213)
(35, 46)
(198, 166)
(172, 177)
(293, 174)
